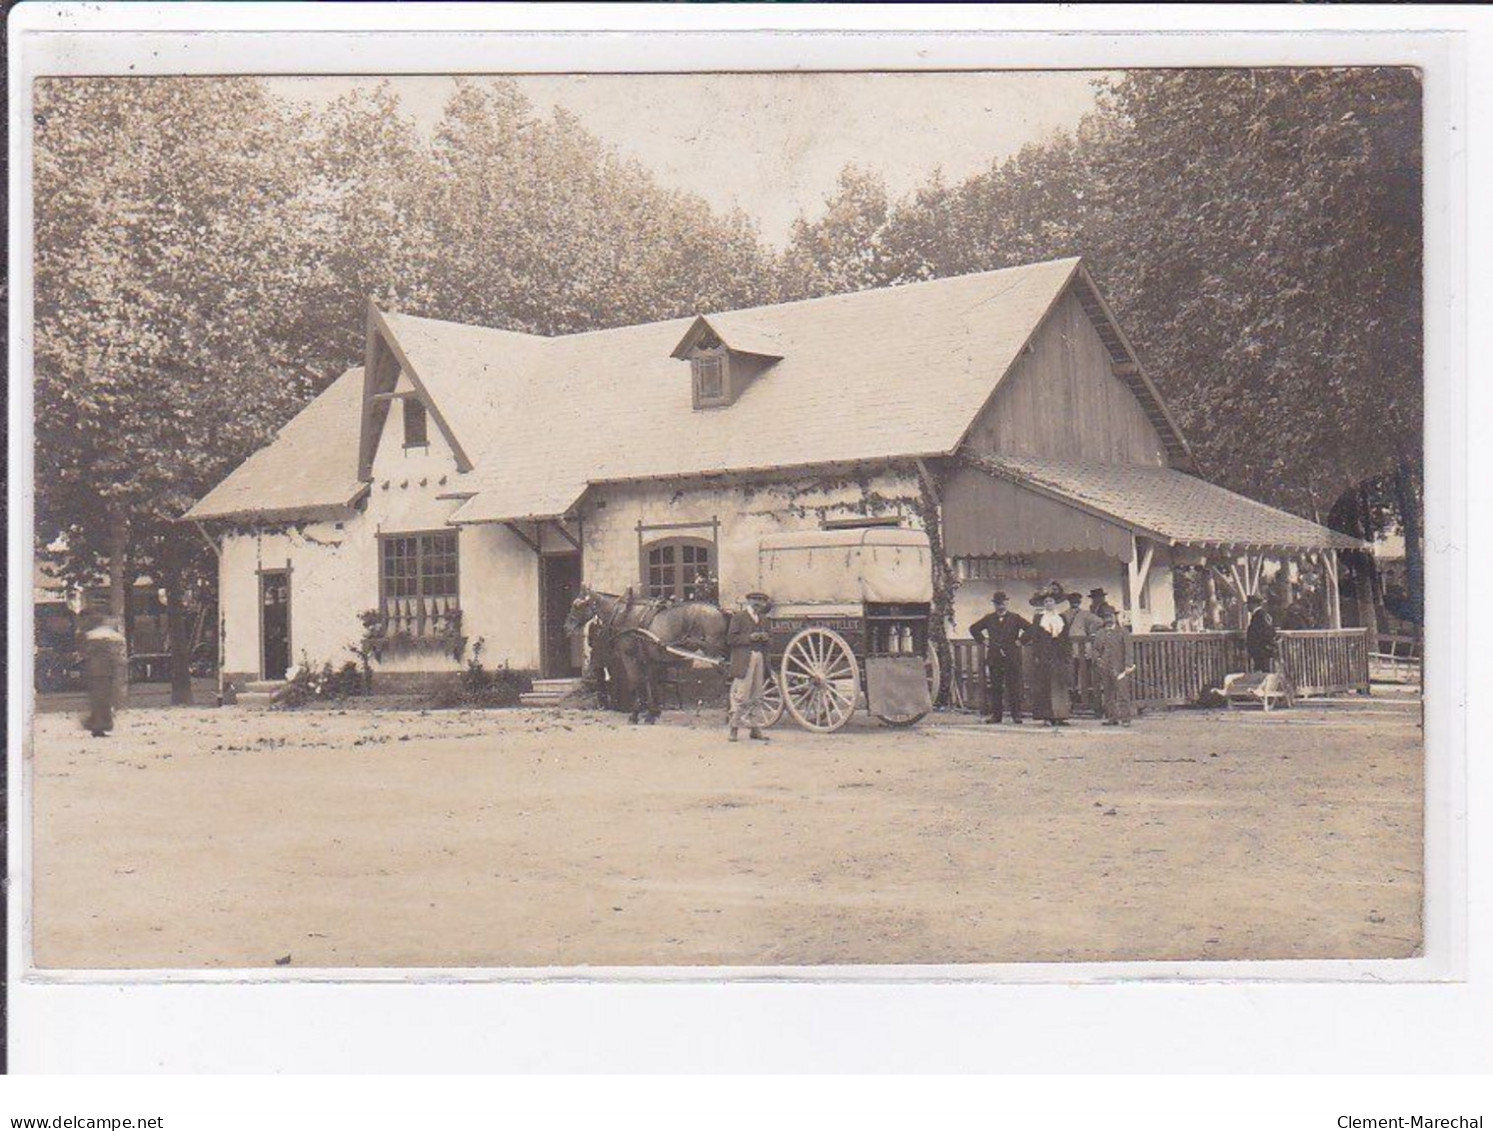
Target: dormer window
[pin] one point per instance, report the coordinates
(712, 378)
(722, 365)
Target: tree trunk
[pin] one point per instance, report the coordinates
(119, 541)
(1375, 582)
(1408, 502)
(179, 634)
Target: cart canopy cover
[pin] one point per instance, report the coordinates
(827, 567)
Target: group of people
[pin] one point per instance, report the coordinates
(1067, 642)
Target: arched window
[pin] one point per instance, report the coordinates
(671, 566)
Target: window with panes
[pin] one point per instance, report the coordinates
(672, 566)
(418, 581)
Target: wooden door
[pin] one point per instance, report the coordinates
(274, 622)
(559, 583)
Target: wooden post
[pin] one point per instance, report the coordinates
(1135, 583)
(1334, 601)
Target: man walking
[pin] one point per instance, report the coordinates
(747, 638)
(1000, 632)
(103, 650)
(1259, 638)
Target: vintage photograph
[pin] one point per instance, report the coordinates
(728, 520)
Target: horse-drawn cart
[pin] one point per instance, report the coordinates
(849, 626)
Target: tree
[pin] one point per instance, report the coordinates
(164, 258)
(1259, 232)
(543, 229)
(844, 250)
(205, 252)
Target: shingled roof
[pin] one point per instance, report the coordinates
(310, 467)
(1168, 505)
(895, 372)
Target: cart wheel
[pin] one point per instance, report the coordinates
(821, 679)
(769, 709)
(931, 669)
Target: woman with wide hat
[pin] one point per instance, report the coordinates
(1051, 665)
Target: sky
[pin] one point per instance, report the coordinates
(774, 144)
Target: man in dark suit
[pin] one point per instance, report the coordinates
(1259, 638)
(1001, 632)
(747, 638)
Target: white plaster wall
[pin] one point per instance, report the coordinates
(747, 511)
(335, 568)
(1160, 589)
(500, 596)
(329, 567)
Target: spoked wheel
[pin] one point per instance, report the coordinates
(821, 679)
(769, 709)
(931, 669)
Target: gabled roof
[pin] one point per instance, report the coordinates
(471, 374)
(1168, 505)
(895, 372)
(738, 331)
(311, 466)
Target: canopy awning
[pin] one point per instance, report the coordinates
(1022, 504)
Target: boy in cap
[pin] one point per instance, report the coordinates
(1114, 676)
(1001, 632)
(747, 638)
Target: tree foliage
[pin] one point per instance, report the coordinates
(1258, 232)
(205, 251)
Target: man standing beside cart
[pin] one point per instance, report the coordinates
(1001, 632)
(747, 638)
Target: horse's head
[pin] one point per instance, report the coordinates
(582, 609)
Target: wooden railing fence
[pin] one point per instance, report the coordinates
(1173, 669)
(1327, 661)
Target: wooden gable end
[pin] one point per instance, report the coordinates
(383, 365)
(1073, 394)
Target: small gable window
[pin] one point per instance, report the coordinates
(710, 374)
(416, 423)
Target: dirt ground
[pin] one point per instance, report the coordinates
(202, 837)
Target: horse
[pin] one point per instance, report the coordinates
(638, 631)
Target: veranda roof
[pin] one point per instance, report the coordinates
(1167, 505)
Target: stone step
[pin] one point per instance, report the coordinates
(269, 685)
(256, 700)
(540, 699)
(556, 686)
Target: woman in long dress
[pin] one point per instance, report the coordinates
(1051, 662)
